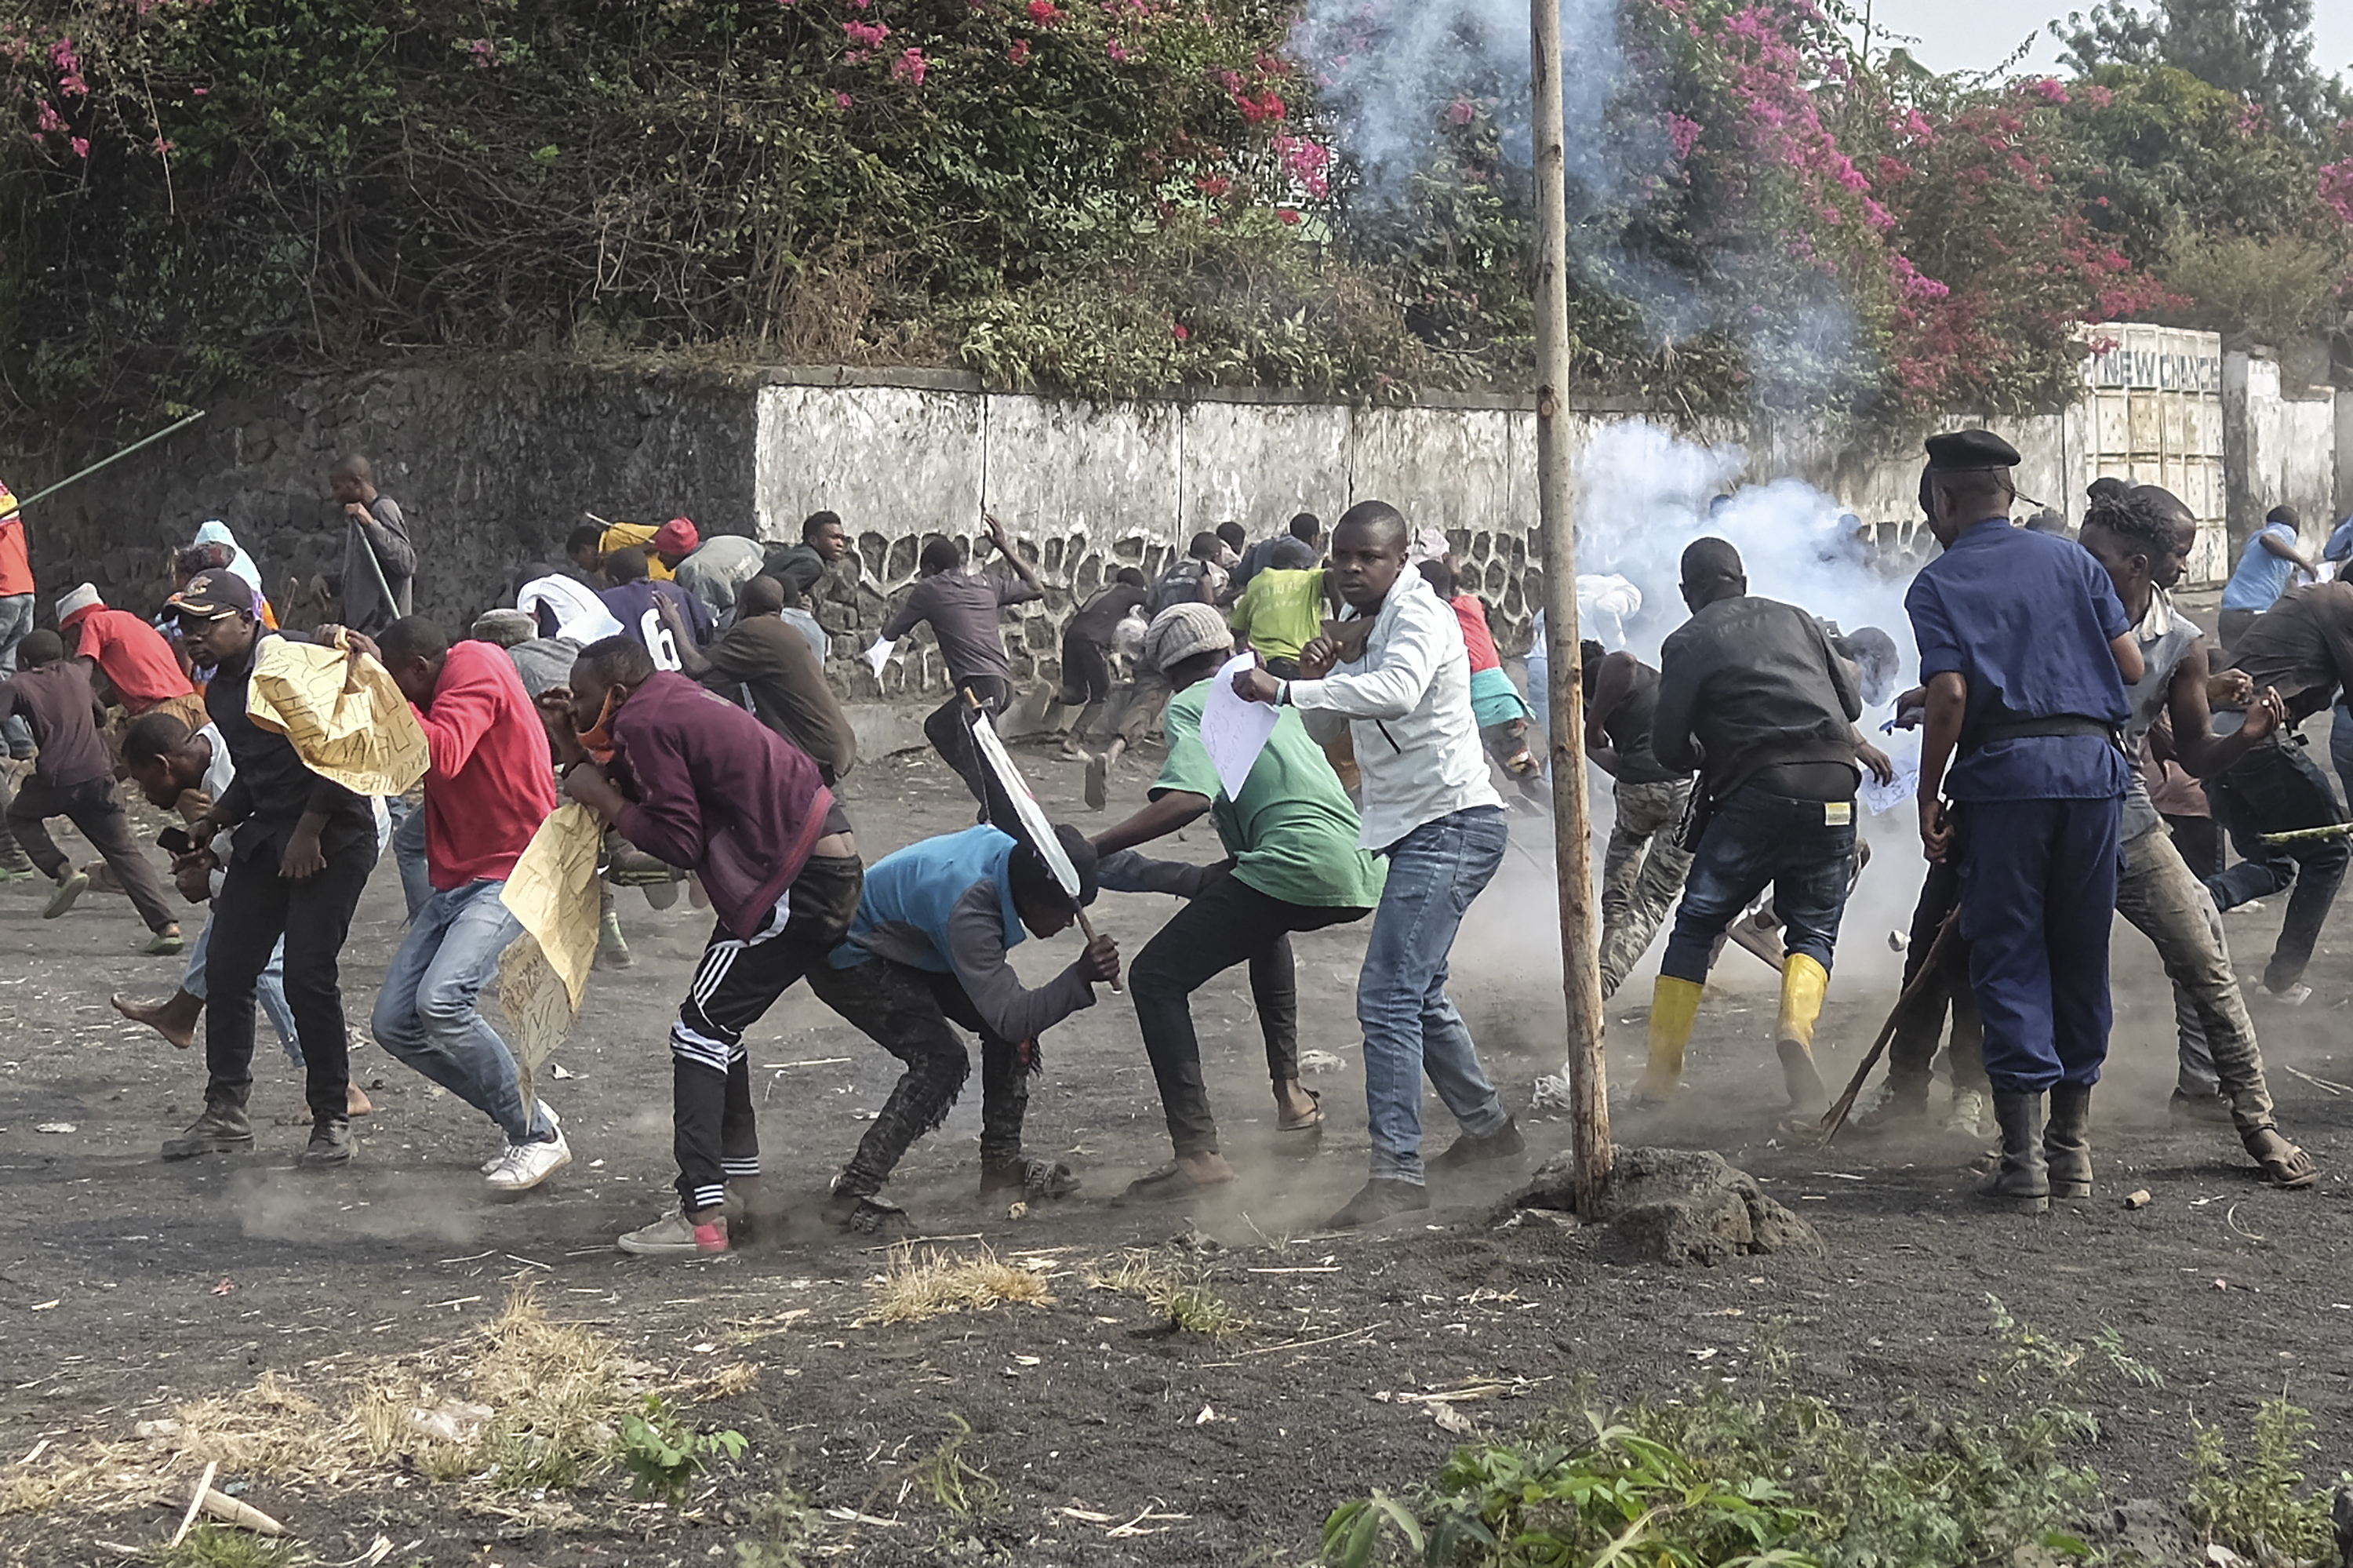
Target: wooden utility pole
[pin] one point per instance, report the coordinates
(1556, 511)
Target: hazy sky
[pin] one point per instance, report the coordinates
(1980, 36)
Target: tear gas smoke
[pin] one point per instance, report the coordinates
(1644, 494)
(1396, 76)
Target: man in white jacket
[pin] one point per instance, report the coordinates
(1429, 807)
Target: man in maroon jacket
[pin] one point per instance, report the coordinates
(689, 777)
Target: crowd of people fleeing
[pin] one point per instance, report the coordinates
(676, 687)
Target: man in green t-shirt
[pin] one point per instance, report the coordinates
(1281, 611)
(1295, 866)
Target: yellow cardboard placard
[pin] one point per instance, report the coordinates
(346, 718)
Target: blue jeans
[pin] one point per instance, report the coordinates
(427, 1014)
(1410, 1027)
(271, 989)
(1753, 839)
(2038, 900)
(408, 852)
(15, 622)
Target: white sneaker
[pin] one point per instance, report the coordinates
(526, 1165)
(494, 1162)
(1967, 1117)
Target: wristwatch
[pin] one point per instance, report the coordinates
(1282, 693)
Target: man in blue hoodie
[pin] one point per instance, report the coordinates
(927, 948)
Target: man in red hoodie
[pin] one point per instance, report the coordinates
(486, 790)
(694, 781)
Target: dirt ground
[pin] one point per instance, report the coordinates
(129, 1287)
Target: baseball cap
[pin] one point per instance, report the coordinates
(678, 536)
(212, 596)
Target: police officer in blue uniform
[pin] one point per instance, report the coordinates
(2026, 652)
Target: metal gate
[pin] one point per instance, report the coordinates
(2155, 417)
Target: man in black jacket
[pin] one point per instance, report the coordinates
(300, 859)
(1752, 696)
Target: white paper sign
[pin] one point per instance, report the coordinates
(1903, 749)
(1234, 730)
(880, 656)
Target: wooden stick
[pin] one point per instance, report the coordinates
(204, 1485)
(228, 1511)
(1835, 1117)
(1580, 976)
(2331, 1086)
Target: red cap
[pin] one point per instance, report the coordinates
(677, 537)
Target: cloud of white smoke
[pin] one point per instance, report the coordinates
(1644, 494)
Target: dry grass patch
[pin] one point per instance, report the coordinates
(913, 1289)
(525, 1405)
(529, 1404)
(1179, 1292)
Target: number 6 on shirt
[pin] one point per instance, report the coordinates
(659, 641)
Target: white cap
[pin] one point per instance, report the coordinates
(81, 599)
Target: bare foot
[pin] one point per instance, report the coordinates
(175, 1018)
(356, 1100)
(1296, 1107)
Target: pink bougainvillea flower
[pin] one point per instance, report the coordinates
(842, 101)
(1214, 186)
(2337, 188)
(163, 146)
(49, 119)
(200, 92)
(2048, 88)
(1045, 13)
(1020, 53)
(867, 35)
(1684, 132)
(1287, 214)
(81, 145)
(910, 67)
(1117, 52)
(1257, 111)
(1913, 283)
(1178, 329)
(1461, 112)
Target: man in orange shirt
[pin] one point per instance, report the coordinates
(16, 608)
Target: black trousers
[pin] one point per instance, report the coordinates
(92, 808)
(910, 1013)
(2274, 788)
(1228, 923)
(254, 908)
(1086, 672)
(1912, 1051)
(951, 737)
(713, 1133)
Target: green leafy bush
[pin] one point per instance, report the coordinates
(664, 1454)
(1755, 1472)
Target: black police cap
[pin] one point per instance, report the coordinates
(1966, 451)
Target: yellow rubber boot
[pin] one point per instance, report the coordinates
(1674, 1007)
(1804, 982)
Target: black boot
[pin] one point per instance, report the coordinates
(1377, 1201)
(2022, 1184)
(2067, 1140)
(222, 1129)
(1903, 1102)
(331, 1143)
(1504, 1143)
